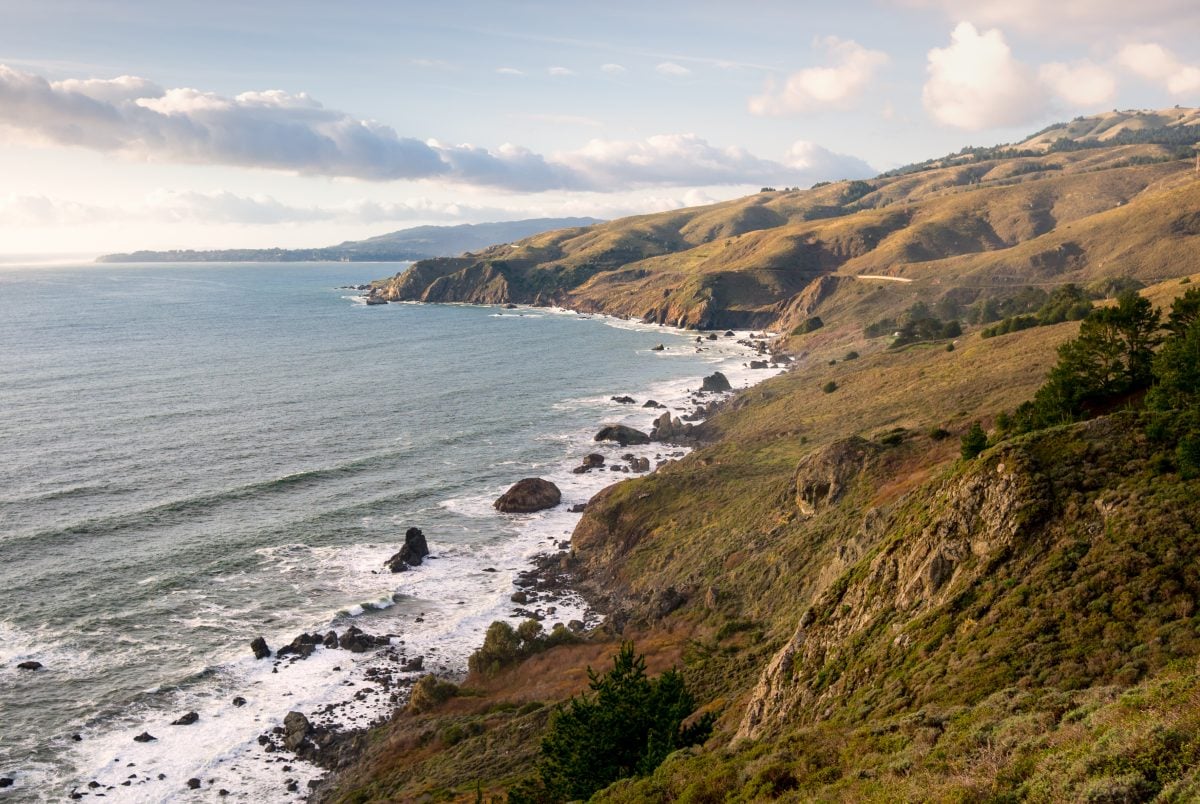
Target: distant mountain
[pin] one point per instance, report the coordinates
(417, 243)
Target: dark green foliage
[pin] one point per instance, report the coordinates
(829, 387)
(1184, 312)
(884, 326)
(851, 356)
(1032, 307)
(430, 691)
(939, 434)
(504, 646)
(855, 190)
(626, 727)
(974, 441)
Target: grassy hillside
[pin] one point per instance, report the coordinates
(870, 616)
(975, 224)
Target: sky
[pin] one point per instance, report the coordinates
(158, 124)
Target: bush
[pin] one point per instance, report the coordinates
(939, 434)
(808, 325)
(829, 387)
(974, 442)
(851, 355)
(504, 646)
(429, 692)
(626, 727)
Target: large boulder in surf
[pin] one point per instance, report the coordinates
(411, 554)
(259, 646)
(528, 495)
(670, 429)
(622, 434)
(716, 383)
(295, 728)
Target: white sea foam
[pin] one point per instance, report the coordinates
(440, 610)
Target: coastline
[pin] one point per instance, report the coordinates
(345, 692)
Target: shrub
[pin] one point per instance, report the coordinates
(939, 434)
(808, 325)
(504, 646)
(829, 387)
(974, 442)
(429, 692)
(851, 355)
(626, 727)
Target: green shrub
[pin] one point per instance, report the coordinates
(974, 442)
(851, 355)
(429, 692)
(829, 387)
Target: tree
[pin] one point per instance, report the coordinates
(974, 442)
(626, 727)
(1177, 371)
(1185, 310)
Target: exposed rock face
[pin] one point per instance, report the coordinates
(823, 477)
(971, 520)
(622, 435)
(716, 383)
(528, 495)
(411, 554)
(295, 728)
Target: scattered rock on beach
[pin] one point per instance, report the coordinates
(259, 646)
(716, 383)
(186, 720)
(295, 728)
(528, 495)
(622, 434)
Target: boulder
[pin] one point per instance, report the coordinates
(716, 383)
(622, 434)
(668, 428)
(193, 783)
(758, 364)
(7, 782)
(624, 400)
(30, 665)
(712, 336)
(650, 403)
(519, 597)
(578, 508)
(331, 640)
(186, 720)
(145, 737)
(728, 333)
(259, 646)
(355, 640)
(239, 701)
(411, 554)
(528, 495)
(640, 464)
(510, 306)
(295, 728)
(658, 348)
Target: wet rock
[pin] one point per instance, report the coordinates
(621, 434)
(7, 782)
(355, 640)
(331, 640)
(716, 383)
(658, 348)
(578, 508)
(575, 625)
(758, 364)
(186, 720)
(728, 333)
(193, 783)
(259, 646)
(672, 429)
(145, 737)
(295, 728)
(510, 306)
(640, 464)
(414, 664)
(302, 646)
(519, 597)
(30, 665)
(239, 701)
(712, 336)
(624, 400)
(650, 403)
(411, 554)
(528, 495)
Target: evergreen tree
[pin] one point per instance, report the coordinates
(974, 442)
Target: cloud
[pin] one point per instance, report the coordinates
(509, 71)
(561, 119)
(1156, 63)
(672, 69)
(1081, 83)
(1080, 19)
(276, 130)
(612, 69)
(976, 83)
(851, 69)
(560, 71)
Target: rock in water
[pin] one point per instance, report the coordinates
(624, 400)
(186, 720)
(145, 737)
(295, 728)
(30, 665)
(259, 646)
(658, 348)
(716, 383)
(758, 364)
(193, 783)
(6, 782)
(411, 554)
(528, 495)
(622, 435)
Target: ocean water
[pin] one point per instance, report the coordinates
(192, 456)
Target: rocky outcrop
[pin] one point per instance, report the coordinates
(528, 495)
(260, 649)
(716, 383)
(671, 429)
(825, 475)
(411, 554)
(621, 434)
(941, 541)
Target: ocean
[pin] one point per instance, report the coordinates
(195, 455)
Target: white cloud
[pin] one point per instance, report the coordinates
(295, 133)
(612, 69)
(1156, 63)
(1081, 83)
(1079, 19)
(850, 71)
(672, 69)
(976, 83)
(509, 71)
(560, 71)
